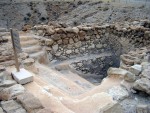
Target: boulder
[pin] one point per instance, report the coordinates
(142, 84)
(11, 92)
(136, 69)
(118, 93)
(30, 103)
(12, 106)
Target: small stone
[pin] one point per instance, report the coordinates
(55, 47)
(97, 36)
(49, 42)
(78, 44)
(99, 46)
(68, 52)
(59, 41)
(136, 69)
(65, 41)
(71, 41)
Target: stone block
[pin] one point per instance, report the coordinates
(23, 76)
(11, 92)
(31, 104)
(12, 106)
(136, 69)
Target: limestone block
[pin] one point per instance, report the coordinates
(11, 92)
(23, 76)
(136, 69)
(12, 106)
(118, 93)
(31, 104)
(142, 84)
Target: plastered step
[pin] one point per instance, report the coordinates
(32, 49)
(50, 102)
(29, 43)
(56, 79)
(77, 79)
(37, 54)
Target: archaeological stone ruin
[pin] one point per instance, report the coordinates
(76, 56)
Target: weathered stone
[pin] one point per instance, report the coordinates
(1, 110)
(5, 76)
(130, 77)
(30, 103)
(49, 42)
(71, 41)
(2, 68)
(23, 56)
(142, 84)
(65, 41)
(78, 44)
(59, 41)
(7, 83)
(68, 51)
(127, 85)
(75, 30)
(55, 47)
(50, 31)
(116, 72)
(99, 46)
(136, 69)
(28, 62)
(118, 93)
(146, 72)
(11, 92)
(12, 106)
(142, 109)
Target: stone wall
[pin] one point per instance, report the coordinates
(63, 42)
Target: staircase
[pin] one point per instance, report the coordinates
(60, 93)
(30, 45)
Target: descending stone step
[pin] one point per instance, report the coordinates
(32, 49)
(29, 42)
(55, 78)
(77, 79)
(37, 54)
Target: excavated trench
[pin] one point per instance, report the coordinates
(90, 50)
